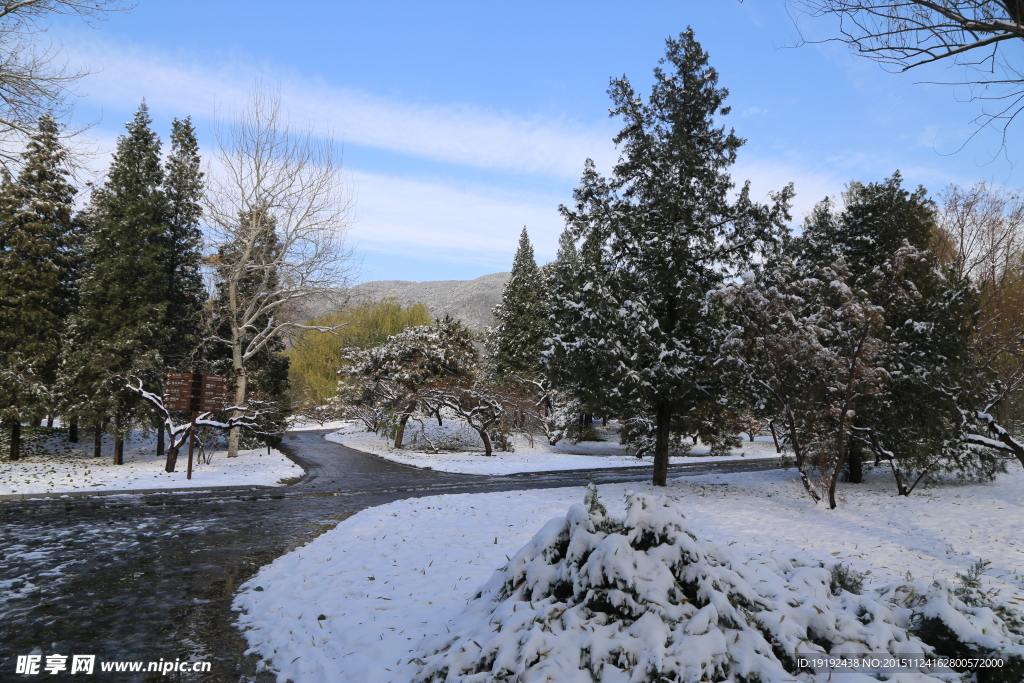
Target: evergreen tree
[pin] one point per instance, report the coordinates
(38, 261)
(120, 328)
(928, 335)
(658, 235)
(563, 273)
(185, 295)
(516, 342)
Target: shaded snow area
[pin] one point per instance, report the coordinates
(50, 464)
(716, 578)
(461, 451)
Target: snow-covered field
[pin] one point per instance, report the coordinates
(50, 464)
(461, 451)
(359, 602)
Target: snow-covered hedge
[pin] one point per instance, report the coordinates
(640, 598)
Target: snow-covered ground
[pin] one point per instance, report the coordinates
(461, 451)
(356, 603)
(50, 464)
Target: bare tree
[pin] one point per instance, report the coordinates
(905, 34)
(982, 236)
(33, 78)
(279, 209)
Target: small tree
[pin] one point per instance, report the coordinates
(516, 342)
(316, 357)
(280, 187)
(488, 409)
(394, 375)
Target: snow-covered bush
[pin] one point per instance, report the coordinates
(640, 599)
(846, 578)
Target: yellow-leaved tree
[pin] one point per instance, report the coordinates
(316, 356)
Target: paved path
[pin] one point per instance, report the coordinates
(148, 577)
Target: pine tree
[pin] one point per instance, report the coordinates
(38, 261)
(185, 296)
(639, 337)
(120, 328)
(516, 342)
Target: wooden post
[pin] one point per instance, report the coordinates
(191, 444)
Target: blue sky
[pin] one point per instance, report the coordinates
(464, 121)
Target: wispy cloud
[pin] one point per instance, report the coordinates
(453, 133)
(468, 224)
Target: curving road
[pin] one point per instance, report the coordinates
(148, 577)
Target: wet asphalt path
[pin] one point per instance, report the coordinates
(142, 578)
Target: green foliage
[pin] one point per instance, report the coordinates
(927, 336)
(846, 578)
(39, 259)
(185, 295)
(637, 335)
(141, 290)
(316, 357)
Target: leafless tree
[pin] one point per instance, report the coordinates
(981, 35)
(34, 80)
(982, 236)
(279, 209)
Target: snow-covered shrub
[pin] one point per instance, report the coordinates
(640, 599)
(846, 578)
(563, 422)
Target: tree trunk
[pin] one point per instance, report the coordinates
(841, 463)
(118, 443)
(400, 434)
(438, 413)
(663, 422)
(73, 430)
(240, 387)
(15, 452)
(97, 443)
(775, 437)
(856, 466)
(37, 421)
(172, 459)
(49, 420)
(487, 441)
(160, 439)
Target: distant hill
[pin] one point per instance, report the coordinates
(470, 301)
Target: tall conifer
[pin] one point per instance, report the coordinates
(183, 190)
(121, 325)
(657, 236)
(38, 259)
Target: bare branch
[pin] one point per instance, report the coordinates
(279, 208)
(905, 34)
(33, 80)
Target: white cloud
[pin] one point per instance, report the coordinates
(441, 221)
(767, 176)
(454, 133)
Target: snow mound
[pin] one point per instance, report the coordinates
(640, 598)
